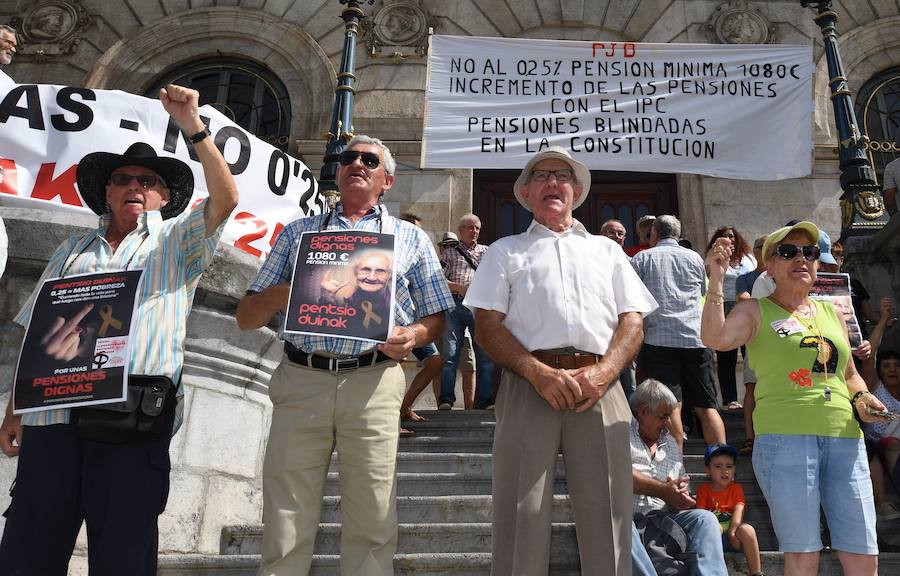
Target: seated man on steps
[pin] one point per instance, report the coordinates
(660, 482)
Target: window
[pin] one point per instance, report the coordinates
(878, 113)
(247, 93)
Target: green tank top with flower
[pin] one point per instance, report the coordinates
(792, 393)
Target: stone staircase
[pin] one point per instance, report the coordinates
(444, 509)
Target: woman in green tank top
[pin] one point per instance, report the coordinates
(808, 449)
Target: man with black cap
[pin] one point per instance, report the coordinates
(561, 310)
(118, 489)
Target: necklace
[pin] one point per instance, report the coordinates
(810, 322)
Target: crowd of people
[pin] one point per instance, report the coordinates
(562, 324)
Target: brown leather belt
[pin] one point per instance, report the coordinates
(568, 361)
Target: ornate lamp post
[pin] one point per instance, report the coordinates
(862, 208)
(341, 130)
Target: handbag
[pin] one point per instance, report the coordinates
(146, 414)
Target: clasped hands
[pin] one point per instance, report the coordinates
(577, 389)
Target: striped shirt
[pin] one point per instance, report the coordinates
(180, 253)
(667, 463)
(420, 286)
(455, 266)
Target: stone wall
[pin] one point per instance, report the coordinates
(129, 45)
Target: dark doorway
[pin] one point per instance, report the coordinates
(625, 196)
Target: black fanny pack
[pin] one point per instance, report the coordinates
(146, 414)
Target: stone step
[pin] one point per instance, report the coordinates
(471, 564)
(413, 539)
(424, 538)
(480, 463)
(480, 482)
(478, 508)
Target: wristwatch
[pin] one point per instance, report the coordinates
(200, 136)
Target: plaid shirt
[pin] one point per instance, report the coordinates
(456, 269)
(668, 463)
(677, 279)
(420, 290)
(173, 253)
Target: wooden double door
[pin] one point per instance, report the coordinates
(625, 196)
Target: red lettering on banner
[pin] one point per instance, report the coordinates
(259, 231)
(278, 228)
(48, 188)
(9, 181)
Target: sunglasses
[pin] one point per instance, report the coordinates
(369, 159)
(562, 175)
(789, 251)
(123, 179)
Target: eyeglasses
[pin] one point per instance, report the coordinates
(789, 251)
(145, 181)
(562, 175)
(369, 159)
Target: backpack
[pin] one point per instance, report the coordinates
(666, 543)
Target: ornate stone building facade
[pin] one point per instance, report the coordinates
(271, 64)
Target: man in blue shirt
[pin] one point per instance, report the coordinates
(331, 392)
(672, 351)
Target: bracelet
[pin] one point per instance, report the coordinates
(714, 293)
(857, 397)
(199, 136)
(718, 302)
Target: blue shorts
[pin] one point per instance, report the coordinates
(798, 473)
(426, 351)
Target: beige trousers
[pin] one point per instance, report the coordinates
(313, 413)
(595, 447)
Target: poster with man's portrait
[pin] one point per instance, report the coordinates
(77, 344)
(343, 285)
(835, 288)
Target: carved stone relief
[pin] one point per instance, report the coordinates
(397, 30)
(738, 22)
(51, 28)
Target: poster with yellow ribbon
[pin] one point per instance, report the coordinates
(77, 344)
(343, 285)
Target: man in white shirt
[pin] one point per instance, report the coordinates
(8, 46)
(562, 311)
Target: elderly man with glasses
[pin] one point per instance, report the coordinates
(318, 404)
(561, 310)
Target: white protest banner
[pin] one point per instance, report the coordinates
(45, 130)
(733, 111)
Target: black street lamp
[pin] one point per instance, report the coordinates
(862, 207)
(341, 129)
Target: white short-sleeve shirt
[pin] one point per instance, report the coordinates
(559, 290)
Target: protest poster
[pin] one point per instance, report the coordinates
(732, 111)
(45, 130)
(343, 285)
(835, 288)
(77, 343)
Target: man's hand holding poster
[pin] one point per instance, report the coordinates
(343, 285)
(77, 344)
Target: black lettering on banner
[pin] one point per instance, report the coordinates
(243, 159)
(311, 190)
(278, 158)
(32, 110)
(170, 143)
(83, 113)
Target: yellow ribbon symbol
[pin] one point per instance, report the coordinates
(107, 317)
(370, 315)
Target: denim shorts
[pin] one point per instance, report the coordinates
(798, 473)
(426, 351)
